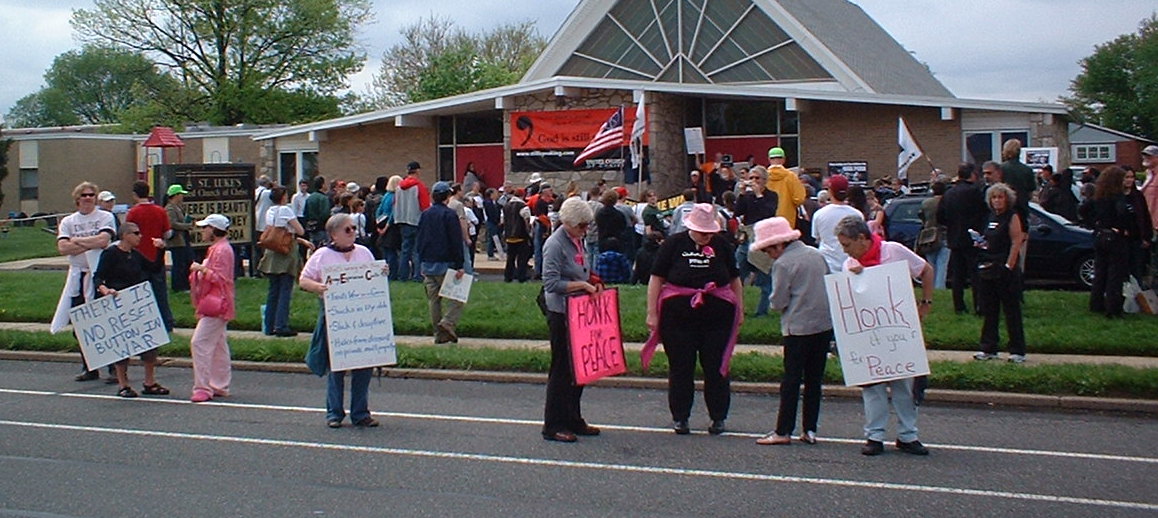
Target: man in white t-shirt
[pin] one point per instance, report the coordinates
(81, 236)
(825, 219)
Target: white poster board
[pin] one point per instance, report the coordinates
(359, 321)
(694, 140)
(456, 289)
(110, 329)
(1037, 157)
(878, 331)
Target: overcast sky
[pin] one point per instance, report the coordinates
(994, 49)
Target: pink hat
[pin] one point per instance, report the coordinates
(702, 218)
(773, 231)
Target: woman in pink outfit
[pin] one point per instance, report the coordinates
(212, 291)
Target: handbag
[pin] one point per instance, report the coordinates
(276, 239)
(930, 239)
(211, 305)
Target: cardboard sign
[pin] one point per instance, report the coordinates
(1038, 157)
(596, 338)
(456, 289)
(878, 331)
(694, 140)
(359, 321)
(113, 328)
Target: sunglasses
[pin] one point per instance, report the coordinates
(88, 195)
(136, 233)
(351, 230)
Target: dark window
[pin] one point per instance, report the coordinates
(289, 169)
(309, 165)
(29, 184)
(1018, 135)
(979, 147)
(487, 129)
(446, 163)
(446, 130)
(741, 117)
(791, 147)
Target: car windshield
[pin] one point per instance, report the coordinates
(1054, 217)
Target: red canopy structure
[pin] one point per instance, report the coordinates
(164, 136)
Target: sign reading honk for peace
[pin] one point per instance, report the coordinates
(878, 330)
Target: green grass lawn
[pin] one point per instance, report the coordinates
(1055, 321)
(26, 243)
(1080, 380)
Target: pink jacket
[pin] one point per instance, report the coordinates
(219, 279)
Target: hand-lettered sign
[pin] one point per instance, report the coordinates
(878, 331)
(596, 338)
(359, 322)
(116, 327)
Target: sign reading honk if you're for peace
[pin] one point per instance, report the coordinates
(878, 330)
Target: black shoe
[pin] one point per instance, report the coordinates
(334, 423)
(872, 448)
(681, 427)
(587, 430)
(717, 427)
(915, 447)
(286, 332)
(88, 376)
(367, 422)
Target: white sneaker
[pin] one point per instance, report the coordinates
(772, 438)
(984, 356)
(1017, 358)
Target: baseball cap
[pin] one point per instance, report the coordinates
(838, 183)
(440, 187)
(1150, 150)
(106, 196)
(216, 221)
(621, 191)
(176, 189)
(776, 152)
(413, 166)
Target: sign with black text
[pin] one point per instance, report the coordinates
(596, 338)
(359, 321)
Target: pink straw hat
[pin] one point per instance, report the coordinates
(702, 218)
(773, 231)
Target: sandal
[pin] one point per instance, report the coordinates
(155, 390)
(127, 392)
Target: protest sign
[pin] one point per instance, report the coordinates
(359, 322)
(113, 328)
(878, 331)
(456, 289)
(596, 338)
(694, 140)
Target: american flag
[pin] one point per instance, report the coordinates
(610, 136)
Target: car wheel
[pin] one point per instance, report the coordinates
(1084, 270)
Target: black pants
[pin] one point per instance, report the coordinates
(1001, 293)
(804, 360)
(1111, 267)
(562, 409)
(687, 332)
(962, 271)
(518, 254)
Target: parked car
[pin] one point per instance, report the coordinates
(1058, 249)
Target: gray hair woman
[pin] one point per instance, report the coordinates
(999, 284)
(341, 230)
(565, 272)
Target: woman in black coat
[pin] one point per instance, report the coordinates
(1114, 225)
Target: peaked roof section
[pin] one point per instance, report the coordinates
(775, 42)
(163, 136)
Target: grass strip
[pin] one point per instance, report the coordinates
(1056, 322)
(1057, 380)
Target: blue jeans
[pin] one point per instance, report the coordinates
(408, 262)
(940, 262)
(764, 282)
(359, 394)
(161, 293)
(277, 302)
(876, 410)
(391, 257)
(182, 258)
(537, 243)
(467, 258)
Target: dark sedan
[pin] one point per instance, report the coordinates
(1058, 249)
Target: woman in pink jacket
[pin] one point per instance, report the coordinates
(212, 290)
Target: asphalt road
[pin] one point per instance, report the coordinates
(473, 449)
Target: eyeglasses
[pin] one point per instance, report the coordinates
(351, 230)
(136, 233)
(88, 195)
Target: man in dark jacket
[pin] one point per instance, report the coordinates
(962, 209)
(517, 234)
(440, 250)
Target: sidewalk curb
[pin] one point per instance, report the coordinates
(951, 397)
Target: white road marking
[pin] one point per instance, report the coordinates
(533, 422)
(624, 468)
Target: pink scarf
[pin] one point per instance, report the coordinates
(724, 293)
